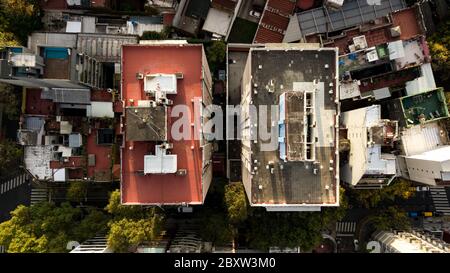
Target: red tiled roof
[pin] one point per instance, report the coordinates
(118, 107)
(53, 4)
(37, 106)
(305, 4)
(168, 18)
(100, 95)
(285, 6)
(102, 154)
(169, 188)
(376, 35)
(267, 36)
(74, 162)
(408, 23)
(274, 21)
(228, 4)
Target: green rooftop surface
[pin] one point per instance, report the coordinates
(425, 107)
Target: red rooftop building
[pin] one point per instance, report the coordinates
(157, 168)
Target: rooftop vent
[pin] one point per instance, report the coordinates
(360, 42)
(161, 83)
(396, 31)
(160, 163)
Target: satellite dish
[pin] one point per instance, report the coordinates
(72, 245)
(373, 247)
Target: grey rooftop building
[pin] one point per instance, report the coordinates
(301, 171)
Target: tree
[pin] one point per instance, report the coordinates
(10, 155)
(439, 44)
(215, 53)
(390, 218)
(373, 198)
(94, 222)
(131, 225)
(126, 233)
(267, 229)
(8, 39)
(77, 191)
(236, 203)
(20, 18)
(9, 104)
(152, 35)
(215, 228)
(119, 211)
(45, 227)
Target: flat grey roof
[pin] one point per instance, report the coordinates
(294, 182)
(67, 95)
(146, 123)
(352, 13)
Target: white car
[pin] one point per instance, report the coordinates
(422, 188)
(255, 13)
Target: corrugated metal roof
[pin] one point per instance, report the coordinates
(104, 47)
(67, 95)
(352, 13)
(75, 140)
(274, 21)
(421, 138)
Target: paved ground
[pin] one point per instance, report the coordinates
(236, 68)
(12, 198)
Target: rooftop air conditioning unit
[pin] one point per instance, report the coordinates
(144, 103)
(164, 83)
(360, 42)
(167, 146)
(396, 31)
(181, 172)
(166, 101)
(372, 56)
(179, 75)
(139, 76)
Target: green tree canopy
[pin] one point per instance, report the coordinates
(131, 225)
(267, 229)
(77, 191)
(8, 39)
(215, 53)
(215, 228)
(10, 155)
(127, 233)
(9, 103)
(390, 218)
(439, 44)
(19, 18)
(372, 198)
(45, 227)
(236, 203)
(119, 211)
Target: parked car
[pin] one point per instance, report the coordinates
(422, 188)
(255, 13)
(413, 214)
(428, 214)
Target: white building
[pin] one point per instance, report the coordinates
(366, 164)
(426, 154)
(409, 242)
